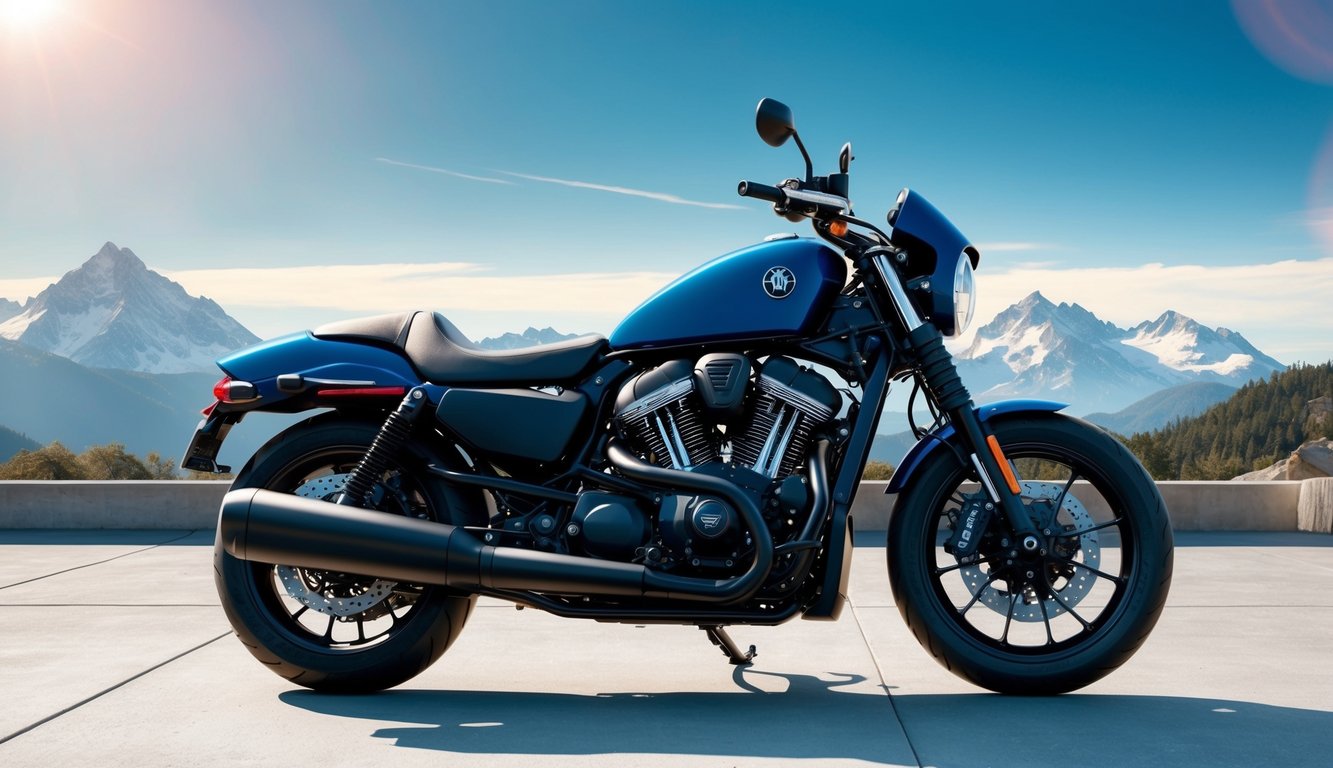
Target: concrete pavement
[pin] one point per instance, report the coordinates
(113, 651)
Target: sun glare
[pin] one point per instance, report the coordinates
(27, 13)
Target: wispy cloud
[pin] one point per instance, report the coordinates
(661, 196)
(444, 286)
(444, 171)
(1010, 247)
(21, 289)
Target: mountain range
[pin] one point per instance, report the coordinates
(530, 337)
(114, 312)
(1036, 348)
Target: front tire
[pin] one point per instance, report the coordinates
(338, 632)
(1061, 617)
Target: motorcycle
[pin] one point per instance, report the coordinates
(697, 467)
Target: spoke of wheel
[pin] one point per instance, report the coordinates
(1009, 618)
(1060, 600)
(361, 630)
(328, 632)
(1046, 618)
(302, 610)
(977, 596)
(1060, 501)
(1072, 534)
(1103, 574)
(956, 566)
(957, 498)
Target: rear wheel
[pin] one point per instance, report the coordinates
(337, 631)
(1065, 610)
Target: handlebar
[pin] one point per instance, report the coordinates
(761, 191)
(794, 200)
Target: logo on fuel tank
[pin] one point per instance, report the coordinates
(779, 282)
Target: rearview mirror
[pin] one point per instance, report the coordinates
(773, 121)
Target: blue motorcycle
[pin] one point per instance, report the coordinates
(697, 467)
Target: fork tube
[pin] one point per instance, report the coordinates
(941, 376)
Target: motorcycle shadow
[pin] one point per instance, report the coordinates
(812, 718)
(818, 718)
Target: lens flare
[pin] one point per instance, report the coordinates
(27, 13)
(1296, 35)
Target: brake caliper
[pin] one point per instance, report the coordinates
(969, 526)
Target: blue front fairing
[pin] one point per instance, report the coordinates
(316, 358)
(728, 299)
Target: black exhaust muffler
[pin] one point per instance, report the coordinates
(269, 527)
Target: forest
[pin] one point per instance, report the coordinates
(1261, 424)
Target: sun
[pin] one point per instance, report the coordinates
(27, 14)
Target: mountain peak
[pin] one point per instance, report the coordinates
(1034, 299)
(1036, 348)
(114, 312)
(528, 338)
(112, 262)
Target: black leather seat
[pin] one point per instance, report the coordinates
(445, 356)
(387, 329)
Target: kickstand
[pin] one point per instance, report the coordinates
(721, 639)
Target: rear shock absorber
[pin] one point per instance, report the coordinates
(387, 443)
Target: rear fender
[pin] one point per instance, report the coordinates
(313, 359)
(936, 440)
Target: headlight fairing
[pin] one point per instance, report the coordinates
(936, 252)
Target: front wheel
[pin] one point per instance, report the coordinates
(341, 632)
(1052, 619)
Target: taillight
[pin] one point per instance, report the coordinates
(228, 390)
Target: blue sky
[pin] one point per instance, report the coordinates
(304, 161)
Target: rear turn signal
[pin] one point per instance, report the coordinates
(228, 390)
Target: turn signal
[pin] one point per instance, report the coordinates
(837, 228)
(1008, 471)
(229, 390)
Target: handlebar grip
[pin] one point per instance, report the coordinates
(761, 191)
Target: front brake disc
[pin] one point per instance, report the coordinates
(1069, 582)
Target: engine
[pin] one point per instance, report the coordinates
(723, 414)
(669, 413)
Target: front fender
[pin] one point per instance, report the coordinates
(935, 440)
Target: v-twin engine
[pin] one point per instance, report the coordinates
(672, 413)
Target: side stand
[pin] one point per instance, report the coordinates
(721, 639)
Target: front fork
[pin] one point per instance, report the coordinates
(941, 377)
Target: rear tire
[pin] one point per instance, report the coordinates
(285, 616)
(1041, 623)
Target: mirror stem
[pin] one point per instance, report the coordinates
(809, 166)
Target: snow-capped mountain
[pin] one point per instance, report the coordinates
(114, 312)
(8, 309)
(1036, 348)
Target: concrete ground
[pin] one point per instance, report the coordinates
(113, 651)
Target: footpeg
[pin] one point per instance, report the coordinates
(721, 639)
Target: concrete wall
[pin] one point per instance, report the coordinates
(1194, 506)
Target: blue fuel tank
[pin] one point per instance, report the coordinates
(776, 289)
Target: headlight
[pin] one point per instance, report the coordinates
(964, 295)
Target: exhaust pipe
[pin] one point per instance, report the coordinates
(269, 527)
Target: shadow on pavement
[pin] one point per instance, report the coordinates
(816, 719)
(812, 719)
(979, 729)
